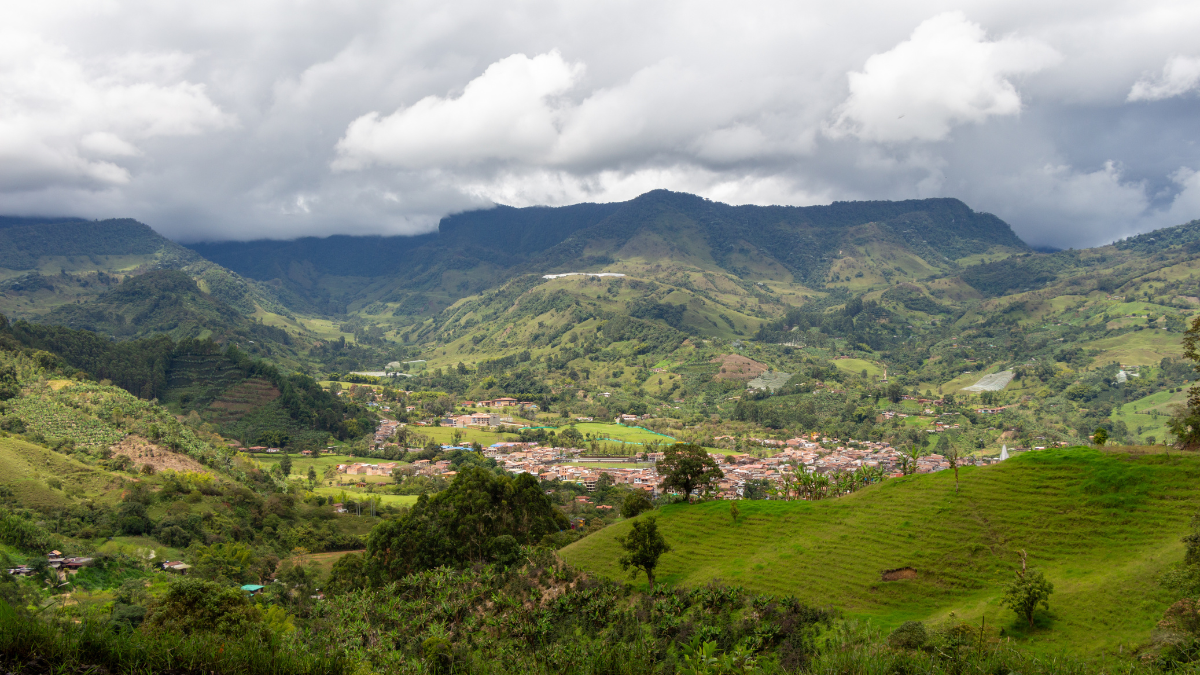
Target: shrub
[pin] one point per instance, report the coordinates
(910, 635)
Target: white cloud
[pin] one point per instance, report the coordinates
(508, 112)
(1180, 76)
(946, 73)
(65, 121)
(110, 109)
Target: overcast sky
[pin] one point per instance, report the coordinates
(1074, 121)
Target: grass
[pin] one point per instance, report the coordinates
(1139, 414)
(26, 469)
(324, 561)
(620, 433)
(1102, 526)
(385, 499)
(1139, 348)
(300, 464)
(856, 366)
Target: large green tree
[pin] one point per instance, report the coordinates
(643, 546)
(687, 467)
(460, 524)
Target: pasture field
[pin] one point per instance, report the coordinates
(856, 366)
(1139, 348)
(30, 471)
(300, 464)
(1152, 414)
(385, 499)
(324, 561)
(1103, 527)
(620, 433)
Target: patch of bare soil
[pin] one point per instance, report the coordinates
(900, 574)
(738, 367)
(142, 451)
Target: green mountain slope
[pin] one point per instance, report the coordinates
(478, 250)
(46, 263)
(1101, 526)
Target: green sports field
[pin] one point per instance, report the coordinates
(1102, 526)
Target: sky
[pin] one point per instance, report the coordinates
(1076, 122)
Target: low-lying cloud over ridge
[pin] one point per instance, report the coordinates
(1073, 121)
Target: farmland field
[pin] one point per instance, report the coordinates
(1102, 526)
(1152, 414)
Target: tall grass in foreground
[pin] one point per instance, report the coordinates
(71, 647)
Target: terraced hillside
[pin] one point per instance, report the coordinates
(1103, 526)
(235, 402)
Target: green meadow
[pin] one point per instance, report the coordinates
(1150, 414)
(1103, 526)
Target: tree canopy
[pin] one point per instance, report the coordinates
(461, 524)
(687, 467)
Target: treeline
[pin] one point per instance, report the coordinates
(859, 322)
(142, 368)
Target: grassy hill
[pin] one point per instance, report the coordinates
(1101, 525)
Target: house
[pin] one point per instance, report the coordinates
(503, 402)
(176, 566)
(339, 508)
(622, 419)
(306, 453)
(484, 419)
(73, 565)
(252, 589)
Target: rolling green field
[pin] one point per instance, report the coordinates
(1103, 526)
(1152, 414)
(300, 464)
(1141, 348)
(28, 470)
(620, 433)
(856, 366)
(395, 500)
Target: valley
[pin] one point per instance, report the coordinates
(899, 398)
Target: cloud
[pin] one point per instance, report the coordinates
(1180, 76)
(508, 112)
(947, 73)
(270, 119)
(65, 121)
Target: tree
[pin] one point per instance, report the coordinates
(285, 465)
(1027, 591)
(643, 546)
(459, 525)
(688, 467)
(197, 606)
(635, 504)
(312, 475)
(734, 511)
(1100, 437)
(953, 455)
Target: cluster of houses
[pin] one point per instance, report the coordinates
(798, 454)
(57, 561)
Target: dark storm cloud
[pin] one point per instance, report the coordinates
(1073, 121)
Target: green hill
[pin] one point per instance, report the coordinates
(49, 263)
(1102, 527)
(474, 251)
